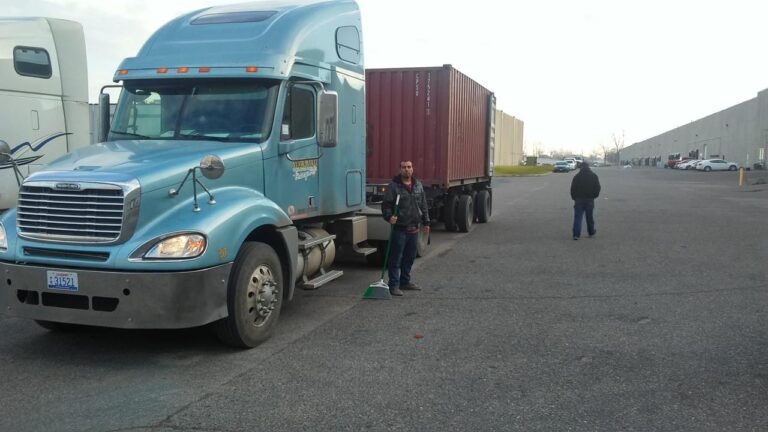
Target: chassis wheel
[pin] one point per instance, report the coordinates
(449, 212)
(254, 297)
(483, 204)
(707, 169)
(465, 213)
(422, 244)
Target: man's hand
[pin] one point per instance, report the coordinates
(393, 220)
(425, 228)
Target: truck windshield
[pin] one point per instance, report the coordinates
(236, 110)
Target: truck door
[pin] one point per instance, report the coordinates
(296, 186)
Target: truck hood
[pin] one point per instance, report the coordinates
(155, 163)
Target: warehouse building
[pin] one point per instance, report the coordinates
(508, 147)
(738, 134)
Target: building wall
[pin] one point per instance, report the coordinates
(738, 133)
(509, 140)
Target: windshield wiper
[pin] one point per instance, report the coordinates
(203, 137)
(130, 134)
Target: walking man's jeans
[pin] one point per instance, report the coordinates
(402, 253)
(580, 207)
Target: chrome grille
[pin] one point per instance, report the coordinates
(96, 213)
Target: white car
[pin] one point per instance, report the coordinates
(689, 164)
(716, 165)
(571, 163)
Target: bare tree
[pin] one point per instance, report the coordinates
(534, 148)
(618, 144)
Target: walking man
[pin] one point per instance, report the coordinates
(412, 213)
(585, 187)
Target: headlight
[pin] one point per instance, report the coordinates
(3, 238)
(178, 247)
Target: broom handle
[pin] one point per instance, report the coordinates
(389, 243)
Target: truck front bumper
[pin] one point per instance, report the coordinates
(117, 299)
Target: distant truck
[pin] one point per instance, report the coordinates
(234, 164)
(442, 121)
(44, 110)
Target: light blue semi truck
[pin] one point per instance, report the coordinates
(234, 164)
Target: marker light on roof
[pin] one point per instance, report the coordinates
(251, 69)
(204, 69)
(123, 72)
(182, 69)
(162, 70)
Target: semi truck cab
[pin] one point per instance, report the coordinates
(238, 139)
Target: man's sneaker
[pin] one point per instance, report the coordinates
(575, 238)
(411, 287)
(593, 234)
(395, 291)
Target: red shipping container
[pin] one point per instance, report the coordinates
(437, 117)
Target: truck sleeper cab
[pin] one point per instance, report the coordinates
(43, 97)
(209, 200)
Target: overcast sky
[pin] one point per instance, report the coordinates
(575, 72)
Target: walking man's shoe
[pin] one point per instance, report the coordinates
(395, 291)
(593, 234)
(411, 287)
(575, 238)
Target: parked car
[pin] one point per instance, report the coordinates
(716, 165)
(690, 164)
(561, 166)
(571, 163)
(672, 163)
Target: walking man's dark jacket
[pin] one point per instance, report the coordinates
(585, 184)
(412, 209)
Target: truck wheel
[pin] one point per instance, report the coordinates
(465, 214)
(483, 205)
(254, 297)
(422, 244)
(58, 326)
(449, 212)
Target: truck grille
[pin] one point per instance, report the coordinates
(96, 213)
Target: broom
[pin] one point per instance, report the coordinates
(380, 290)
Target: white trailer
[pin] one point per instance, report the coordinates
(44, 109)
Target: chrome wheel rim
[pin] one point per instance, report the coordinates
(262, 295)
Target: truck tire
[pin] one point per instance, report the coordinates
(254, 297)
(449, 212)
(465, 213)
(422, 244)
(483, 206)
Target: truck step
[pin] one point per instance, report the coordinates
(308, 243)
(321, 280)
(364, 251)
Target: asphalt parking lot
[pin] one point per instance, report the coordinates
(658, 323)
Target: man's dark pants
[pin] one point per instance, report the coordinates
(402, 253)
(580, 207)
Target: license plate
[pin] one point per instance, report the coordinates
(65, 281)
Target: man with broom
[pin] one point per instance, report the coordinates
(406, 214)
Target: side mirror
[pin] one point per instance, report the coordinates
(212, 167)
(327, 118)
(103, 118)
